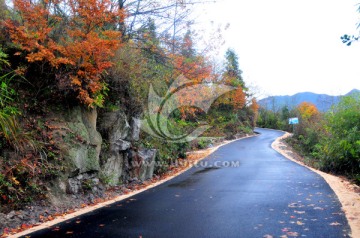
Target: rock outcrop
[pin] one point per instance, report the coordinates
(143, 163)
(75, 135)
(97, 150)
(121, 161)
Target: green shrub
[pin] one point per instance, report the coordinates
(203, 143)
(341, 148)
(9, 126)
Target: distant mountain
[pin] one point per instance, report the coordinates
(322, 101)
(353, 92)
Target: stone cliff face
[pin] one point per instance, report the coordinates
(121, 161)
(98, 150)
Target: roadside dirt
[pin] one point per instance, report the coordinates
(348, 193)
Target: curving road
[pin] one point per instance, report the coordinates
(244, 189)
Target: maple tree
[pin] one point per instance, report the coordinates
(76, 41)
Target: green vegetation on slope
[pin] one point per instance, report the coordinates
(329, 141)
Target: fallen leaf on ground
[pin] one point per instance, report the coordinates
(293, 234)
(268, 236)
(25, 226)
(299, 212)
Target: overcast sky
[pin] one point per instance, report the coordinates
(290, 46)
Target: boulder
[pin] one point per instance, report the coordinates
(113, 169)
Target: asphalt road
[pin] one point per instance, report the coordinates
(245, 189)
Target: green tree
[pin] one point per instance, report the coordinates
(285, 113)
(232, 69)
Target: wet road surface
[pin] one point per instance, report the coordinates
(244, 189)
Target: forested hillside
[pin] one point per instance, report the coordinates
(76, 76)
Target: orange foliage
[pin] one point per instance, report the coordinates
(255, 109)
(235, 98)
(254, 106)
(196, 71)
(238, 98)
(79, 42)
(308, 111)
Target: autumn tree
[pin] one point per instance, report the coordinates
(254, 107)
(192, 66)
(66, 35)
(308, 111)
